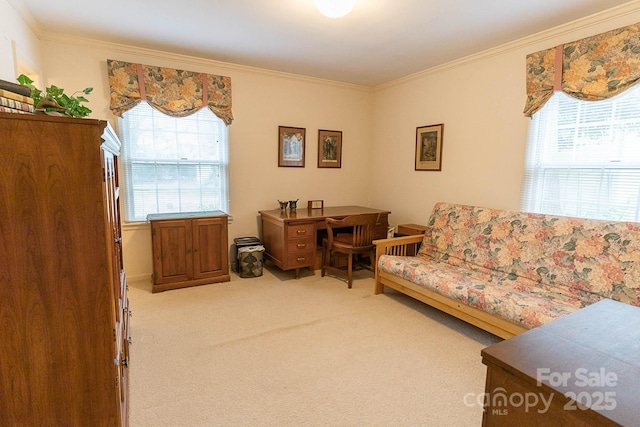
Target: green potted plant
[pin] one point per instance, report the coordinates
(54, 99)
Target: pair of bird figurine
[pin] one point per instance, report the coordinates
(293, 204)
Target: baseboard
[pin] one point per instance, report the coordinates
(134, 278)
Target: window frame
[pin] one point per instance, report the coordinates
(127, 161)
(614, 155)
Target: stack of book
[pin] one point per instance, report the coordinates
(15, 98)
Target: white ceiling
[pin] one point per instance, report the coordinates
(379, 41)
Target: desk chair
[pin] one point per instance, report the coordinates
(356, 240)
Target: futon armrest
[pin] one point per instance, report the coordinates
(391, 246)
(405, 245)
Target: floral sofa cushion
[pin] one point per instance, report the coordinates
(588, 259)
(491, 291)
(527, 268)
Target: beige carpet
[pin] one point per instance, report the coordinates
(275, 351)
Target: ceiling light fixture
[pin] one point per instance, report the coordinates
(335, 8)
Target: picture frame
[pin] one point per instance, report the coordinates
(291, 146)
(329, 148)
(315, 204)
(428, 156)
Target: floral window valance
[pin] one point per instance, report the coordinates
(177, 93)
(594, 68)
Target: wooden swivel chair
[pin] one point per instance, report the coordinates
(352, 236)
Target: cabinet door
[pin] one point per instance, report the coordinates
(57, 299)
(210, 256)
(172, 257)
(112, 225)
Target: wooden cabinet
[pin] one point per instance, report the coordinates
(63, 302)
(189, 249)
(411, 229)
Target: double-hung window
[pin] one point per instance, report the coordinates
(583, 158)
(173, 164)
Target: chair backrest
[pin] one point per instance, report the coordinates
(362, 233)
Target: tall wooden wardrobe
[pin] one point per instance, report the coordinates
(63, 303)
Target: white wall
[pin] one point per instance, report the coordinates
(480, 100)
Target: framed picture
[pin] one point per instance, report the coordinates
(291, 147)
(315, 204)
(329, 149)
(429, 148)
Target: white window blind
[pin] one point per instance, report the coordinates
(583, 158)
(173, 164)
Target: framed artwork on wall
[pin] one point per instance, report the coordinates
(429, 147)
(315, 204)
(291, 143)
(329, 149)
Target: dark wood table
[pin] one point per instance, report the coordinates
(580, 370)
(291, 238)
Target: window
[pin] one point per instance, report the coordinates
(583, 158)
(173, 164)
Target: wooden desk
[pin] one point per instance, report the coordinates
(290, 238)
(591, 356)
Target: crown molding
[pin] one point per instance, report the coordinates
(552, 33)
(154, 54)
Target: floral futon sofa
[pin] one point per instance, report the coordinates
(507, 272)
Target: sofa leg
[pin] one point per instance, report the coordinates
(379, 288)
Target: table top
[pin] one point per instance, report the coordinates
(302, 214)
(592, 355)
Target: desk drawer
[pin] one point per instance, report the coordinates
(300, 245)
(300, 231)
(301, 259)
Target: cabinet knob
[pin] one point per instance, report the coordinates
(301, 258)
(301, 231)
(302, 245)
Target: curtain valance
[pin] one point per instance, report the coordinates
(594, 68)
(177, 93)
